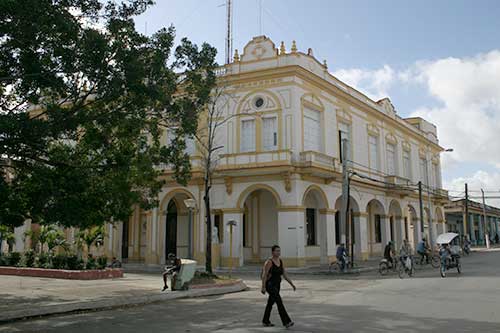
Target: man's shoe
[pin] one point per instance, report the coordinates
(164, 288)
(268, 324)
(290, 324)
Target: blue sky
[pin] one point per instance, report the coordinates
(436, 59)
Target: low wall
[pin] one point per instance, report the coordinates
(109, 273)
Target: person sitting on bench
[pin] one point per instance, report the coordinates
(172, 271)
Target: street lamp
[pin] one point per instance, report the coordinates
(431, 231)
(231, 224)
(191, 205)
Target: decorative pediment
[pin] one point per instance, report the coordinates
(406, 145)
(259, 102)
(373, 129)
(344, 116)
(387, 106)
(310, 100)
(259, 48)
(391, 138)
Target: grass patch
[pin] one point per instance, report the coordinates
(206, 278)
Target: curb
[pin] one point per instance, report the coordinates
(107, 304)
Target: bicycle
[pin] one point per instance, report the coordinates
(337, 265)
(407, 267)
(432, 258)
(385, 265)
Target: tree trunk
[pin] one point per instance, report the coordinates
(208, 258)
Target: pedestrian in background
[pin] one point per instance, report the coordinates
(271, 283)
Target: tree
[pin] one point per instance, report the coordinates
(84, 99)
(91, 236)
(213, 119)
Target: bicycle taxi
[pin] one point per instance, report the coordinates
(449, 252)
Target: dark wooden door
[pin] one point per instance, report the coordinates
(171, 230)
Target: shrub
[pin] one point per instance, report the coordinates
(29, 258)
(14, 258)
(43, 261)
(73, 262)
(60, 261)
(102, 261)
(3, 260)
(91, 263)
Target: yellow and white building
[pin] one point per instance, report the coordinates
(280, 175)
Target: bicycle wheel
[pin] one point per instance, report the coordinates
(383, 268)
(435, 261)
(401, 271)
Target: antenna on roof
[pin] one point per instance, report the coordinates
(229, 36)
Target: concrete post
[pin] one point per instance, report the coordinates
(237, 235)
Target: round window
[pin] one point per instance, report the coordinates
(259, 102)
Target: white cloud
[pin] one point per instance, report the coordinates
(374, 83)
(466, 106)
(490, 182)
(469, 90)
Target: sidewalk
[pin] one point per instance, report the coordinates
(370, 265)
(24, 297)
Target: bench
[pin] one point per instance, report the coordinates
(185, 275)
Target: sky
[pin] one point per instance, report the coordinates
(439, 60)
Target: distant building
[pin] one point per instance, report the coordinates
(476, 229)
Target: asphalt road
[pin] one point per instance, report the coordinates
(469, 302)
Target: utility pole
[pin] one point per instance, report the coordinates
(229, 32)
(421, 207)
(431, 230)
(466, 220)
(345, 192)
(486, 233)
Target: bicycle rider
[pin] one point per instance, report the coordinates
(423, 250)
(341, 255)
(405, 252)
(389, 253)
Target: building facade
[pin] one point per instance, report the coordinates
(279, 175)
(479, 222)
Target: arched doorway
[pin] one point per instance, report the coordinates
(178, 226)
(260, 224)
(377, 227)
(316, 234)
(171, 229)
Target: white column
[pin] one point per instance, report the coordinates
(326, 234)
(386, 229)
(236, 251)
(400, 230)
(291, 237)
(361, 236)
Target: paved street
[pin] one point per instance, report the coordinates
(365, 303)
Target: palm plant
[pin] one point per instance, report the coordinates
(91, 236)
(7, 235)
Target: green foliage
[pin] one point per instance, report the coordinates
(14, 258)
(73, 262)
(103, 94)
(91, 263)
(102, 261)
(59, 261)
(3, 260)
(43, 261)
(29, 258)
(91, 236)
